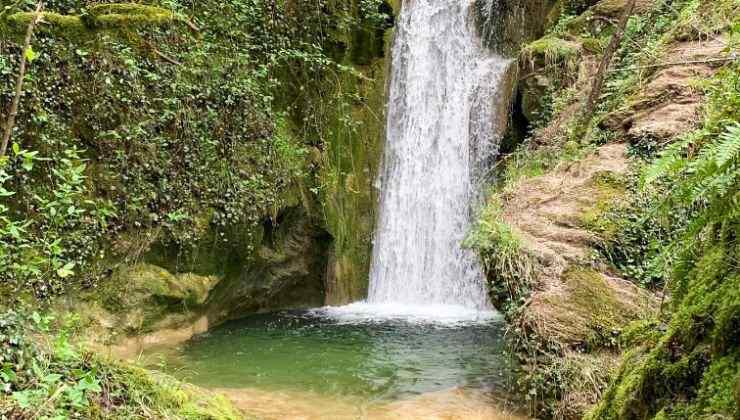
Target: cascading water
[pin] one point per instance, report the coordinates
(441, 136)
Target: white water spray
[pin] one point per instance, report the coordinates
(441, 136)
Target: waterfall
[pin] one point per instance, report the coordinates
(442, 133)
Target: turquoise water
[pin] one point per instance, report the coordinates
(373, 359)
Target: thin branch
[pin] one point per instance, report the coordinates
(19, 81)
(161, 55)
(191, 25)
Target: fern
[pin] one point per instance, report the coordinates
(728, 149)
(700, 176)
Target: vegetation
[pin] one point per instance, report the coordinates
(501, 252)
(670, 226)
(690, 370)
(56, 379)
(173, 137)
(173, 122)
(173, 134)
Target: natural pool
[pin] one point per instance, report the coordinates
(307, 362)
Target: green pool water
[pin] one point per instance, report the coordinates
(372, 359)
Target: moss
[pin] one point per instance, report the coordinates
(103, 16)
(163, 395)
(588, 310)
(18, 22)
(690, 370)
(592, 45)
(608, 191)
(141, 296)
(552, 51)
(129, 9)
(644, 332)
(347, 175)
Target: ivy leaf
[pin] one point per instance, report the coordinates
(66, 271)
(30, 54)
(27, 163)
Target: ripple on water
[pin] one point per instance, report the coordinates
(335, 352)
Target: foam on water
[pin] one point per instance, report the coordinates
(437, 314)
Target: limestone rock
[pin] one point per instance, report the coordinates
(668, 104)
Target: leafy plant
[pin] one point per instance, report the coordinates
(510, 268)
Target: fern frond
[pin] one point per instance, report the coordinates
(728, 147)
(668, 164)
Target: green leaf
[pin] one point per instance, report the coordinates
(24, 398)
(16, 149)
(7, 374)
(51, 378)
(30, 54)
(66, 271)
(27, 164)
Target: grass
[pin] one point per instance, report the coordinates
(511, 270)
(552, 51)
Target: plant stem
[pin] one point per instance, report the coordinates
(19, 81)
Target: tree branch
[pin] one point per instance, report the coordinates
(19, 81)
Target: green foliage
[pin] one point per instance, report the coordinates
(690, 371)
(554, 51)
(44, 250)
(510, 269)
(529, 161)
(563, 386)
(191, 136)
(683, 195)
(58, 379)
(647, 38)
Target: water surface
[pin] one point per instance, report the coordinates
(324, 354)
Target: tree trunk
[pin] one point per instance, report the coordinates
(19, 81)
(611, 49)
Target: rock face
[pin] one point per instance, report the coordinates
(572, 301)
(669, 104)
(576, 308)
(287, 271)
(145, 303)
(144, 297)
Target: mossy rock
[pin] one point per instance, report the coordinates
(67, 24)
(145, 281)
(125, 15)
(591, 310)
(693, 368)
(142, 295)
(103, 16)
